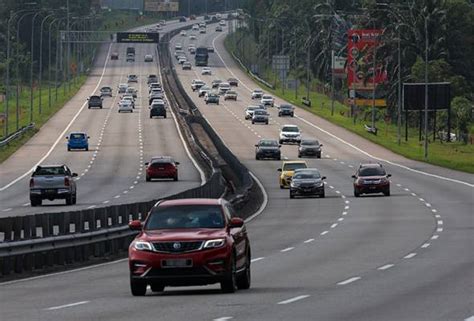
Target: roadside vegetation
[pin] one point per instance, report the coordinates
(312, 29)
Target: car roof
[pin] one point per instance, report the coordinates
(94, 96)
(370, 165)
(192, 201)
(72, 133)
(268, 140)
(294, 162)
(289, 125)
(306, 170)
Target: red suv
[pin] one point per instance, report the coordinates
(189, 242)
(162, 167)
(371, 178)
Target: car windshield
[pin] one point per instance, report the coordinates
(372, 171)
(309, 142)
(49, 171)
(307, 175)
(290, 129)
(293, 166)
(185, 216)
(77, 136)
(105, 89)
(267, 97)
(268, 143)
(252, 108)
(231, 92)
(94, 98)
(286, 107)
(258, 91)
(259, 112)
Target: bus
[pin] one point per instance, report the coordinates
(202, 56)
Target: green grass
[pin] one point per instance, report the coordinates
(450, 155)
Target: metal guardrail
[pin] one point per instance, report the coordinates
(16, 134)
(266, 83)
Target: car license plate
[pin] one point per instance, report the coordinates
(50, 191)
(176, 263)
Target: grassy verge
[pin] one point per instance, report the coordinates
(450, 155)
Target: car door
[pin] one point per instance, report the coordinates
(240, 239)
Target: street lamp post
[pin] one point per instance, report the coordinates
(32, 64)
(426, 90)
(41, 61)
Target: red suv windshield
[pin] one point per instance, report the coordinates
(182, 217)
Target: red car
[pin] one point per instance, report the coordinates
(161, 167)
(370, 179)
(189, 242)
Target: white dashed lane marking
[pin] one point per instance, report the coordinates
(296, 298)
(353, 279)
(385, 267)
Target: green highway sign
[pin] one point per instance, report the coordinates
(137, 37)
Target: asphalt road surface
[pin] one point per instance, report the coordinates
(404, 257)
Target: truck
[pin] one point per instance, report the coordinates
(202, 56)
(50, 182)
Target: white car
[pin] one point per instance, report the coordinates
(125, 105)
(206, 71)
(148, 58)
(290, 134)
(257, 93)
(196, 84)
(195, 27)
(202, 30)
(192, 37)
(178, 46)
(129, 98)
(222, 23)
(183, 33)
(122, 88)
(182, 60)
(131, 91)
(249, 111)
(204, 90)
(267, 100)
(223, 88)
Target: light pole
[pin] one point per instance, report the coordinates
(41, 62)
(32, 63)
(49, 58)
(426, 89)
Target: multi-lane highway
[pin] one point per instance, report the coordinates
(404, 257)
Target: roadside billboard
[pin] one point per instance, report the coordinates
(361, 76)
(161, 5)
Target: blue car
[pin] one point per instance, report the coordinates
(77, 141)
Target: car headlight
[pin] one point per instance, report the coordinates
(142, 246)
(295, 184)
(319, 184)
(214, 243)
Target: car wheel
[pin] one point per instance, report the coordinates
(292, 115)
(356, 193)
(257, 158)
(253, 122)
(151, 116)
(292, 195)
(137, 287)
(299, 155)
(245, 278)
(279, 158)
(87, 149)
(35, 201)
(323, 195)
(229, 284)
(69, 149)
(282, 187)
(318, 156)
(157, 287)
(387, 192)
(69, 200)
(280, 141)
(175, 178)
(266, 123)
(74, 199)
(148, 178)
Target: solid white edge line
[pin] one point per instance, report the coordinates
(63, 132)
(296, 298)
(66, 305)
(257, 259)
(350, 280)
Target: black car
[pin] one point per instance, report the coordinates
(260, 116)
(307, 182)
(233, 82)
(95, 101)
(182, 19)
(370, 179)
(158, 110)
(157, 95)
(286, 110)
(152, 79)
(309, 147)
(267, 148)
(106, 92)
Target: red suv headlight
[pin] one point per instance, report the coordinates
(142, 246)
(216, 243)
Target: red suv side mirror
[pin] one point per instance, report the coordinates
(135, 225)
(236, 222)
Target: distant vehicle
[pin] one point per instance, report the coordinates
(179, 53)
(206, 71)
(182, 19)
(186, 65)
(222, 23)
(131, 91)
(94, 102)
(223, 88)
(189, 242)
(183, 33)
(155, 95)
(233, 82)
(218, 29)
(257, 94)
(158, 109)
(114, 56)
(196, 84)
(192, 17)
(192, 37)
(206, 17)
(202, 30)
(267, 100)
(202, 24)
(286, 110)
(152, 79)
(216, 83)
(129, 98)
(210, 49)
(154, 85)
(192, 50)
(50, 182)
(163, 22)
(249, 111)
(132, 78)
(77, 140)
(214, 19)
(130, 58)
(204, 90)
(195, 27)
(230, 95)
(370, 179)
(130, 50)
(191, 47)
(309, 147)
(182, 60)
(290, 134)
(148, 58)
(307, 182)
(178, 46)
(287, 170)
(201, 57)
(260, 116)
(125, 106)
(122, 88)
(161, 167)
(267, 148)
(105, 91)
(211, 98)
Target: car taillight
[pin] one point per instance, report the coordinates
(32, 182)
(66, 181)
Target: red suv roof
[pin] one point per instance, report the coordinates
(192, 201)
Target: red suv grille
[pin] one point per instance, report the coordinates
(177, 247)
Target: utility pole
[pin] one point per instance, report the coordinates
(67, 43)
(32, 64)
(399, 114)
(426, 89)
(332, 82)
(374, 65)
